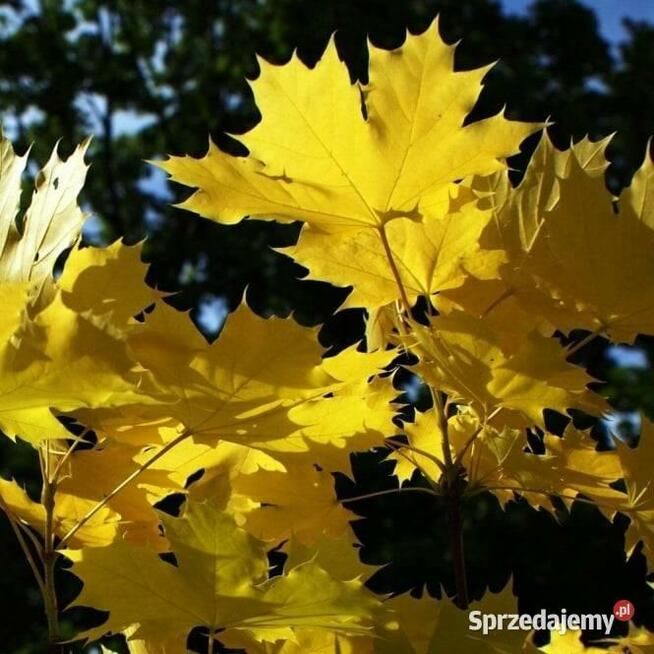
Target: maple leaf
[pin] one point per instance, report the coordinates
(402, 199)
(45, 357)
(499, 460)
(425, 439)
(570, 466)
(219, 582)
(92, 474)
(53, 220)
(516, 303)
(223, 459)
(101, 530)
(65, 361)
(338, 556)
(519, 214)
(14, 298)
(463, 356)
(107, 282)
(429, 256)
(544, 225)
(357, 417)
(18, 504)
(60, 353)
(262, 383)
(364, 156)
(639, 503)
(298, 502)
(237, 382)
(429, 626)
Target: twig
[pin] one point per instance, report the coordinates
(26, 550)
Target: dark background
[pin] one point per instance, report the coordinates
(156, 77)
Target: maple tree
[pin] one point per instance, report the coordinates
(468, 283)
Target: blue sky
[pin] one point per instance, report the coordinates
(609, 13)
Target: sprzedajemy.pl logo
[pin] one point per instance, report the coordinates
(561, 622)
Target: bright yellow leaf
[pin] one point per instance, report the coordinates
(337, 155)
(300, 503)
(217, 584)
(463, 356)
(429, 256)
(107, 282)
(53, 220)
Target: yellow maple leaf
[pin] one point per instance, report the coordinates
(430, 626)
(544, 224)
(107, 282)
(337, 556)
(425, 438)
(299, 502)
(636, 466)
(570, 466)
(66, 360)
(56, 357)
(363, 157)
(53, 220)
(17, 503)
(91, 475)
(463, 356)
(218, 583)
(101, 530)
(262, 383)
(429, 256)
(223, 459)
(513, 303)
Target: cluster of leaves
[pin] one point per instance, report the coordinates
(468, 283)
(172, 72)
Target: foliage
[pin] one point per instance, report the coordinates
(469, 283)
(173, 72)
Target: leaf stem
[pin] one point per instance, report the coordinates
(509, 292)
(50, 555)
(65, 457)
(468, 444)
(406, 446)
(394, 269)
(390, 491)
(450, 469)
(439, 409)
(584, 341)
